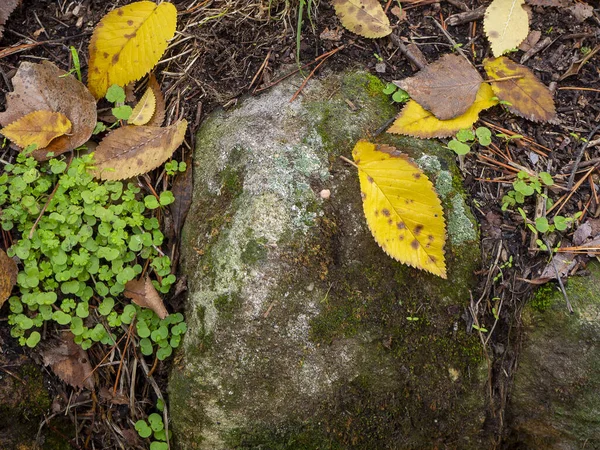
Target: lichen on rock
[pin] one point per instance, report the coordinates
(298, 335)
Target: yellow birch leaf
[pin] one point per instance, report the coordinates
(401, 206)
(38, 127)
(364, 17)
(133, 150)
(527, 96)
(506, 24)
(128, 42)
(144, 110)
(416, 121)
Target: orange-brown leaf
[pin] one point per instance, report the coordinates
(528, 97)
(447, 87)
(131, 150)
(143, 293)
(38, 127)
(159, 113)
(45, 87)
(8, 276)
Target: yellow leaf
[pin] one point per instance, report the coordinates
(128, 42)
(527, 96)
(364, 17)
(506, 25)
(131, 150)
(402, 208)
(416, 121)
(144, 110)
(159, 114)
(38, 127)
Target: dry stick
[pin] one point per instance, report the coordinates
(387, 6)
(525, 138)
(343, 158)
(580, 155)
(465, 17)
(129, 333)
(452, 41)
(565, 198)
(325, 57)
(105, 356)
(495, 80)
(575, 88)
(405, 51)
(262, 67)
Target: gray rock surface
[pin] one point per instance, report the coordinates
(302, 333)
(556, 394)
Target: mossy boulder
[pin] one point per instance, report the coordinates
(556, 394)
(302, 333)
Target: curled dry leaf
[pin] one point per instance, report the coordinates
(581, 11)
(131, 150)
(144, 110)
(143, 293)
(506, 24)
(182, 189)
(159, 111)
(8, 276)
(6, 9)
(38, 127)
(364, 17)
(447, 87)
(45, 87)
(528, 97)
(69, 361)
(402, 208)
(577, 65)
(416, 121)
(128, 42)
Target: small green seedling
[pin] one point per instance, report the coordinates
(172, 167)
(466, 138)
(154, 428)
(116, 95)
(398, 95)
(525, 186)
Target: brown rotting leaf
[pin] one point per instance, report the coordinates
(46, 87)
(6, 9)
(447, 87)
(69, 361)
(8, 276)
(143, 293)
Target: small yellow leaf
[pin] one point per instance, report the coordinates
(416, 121)
(402, 208)
(38, 127)
(527, 96)
(144, 110)
(133, 150)
(128, 42)
(364, 17)
(159, 113)
(506, 25)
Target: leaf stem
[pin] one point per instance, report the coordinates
(343, 158)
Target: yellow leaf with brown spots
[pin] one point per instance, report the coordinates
(402, 208)
(414, 120)
(364, 17)
(144, 110)
(38, 127)
(506, 24)
(128, 42)
(527, 96)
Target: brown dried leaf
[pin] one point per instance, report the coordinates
(331, 35)
(8, 276)
(561, 263)
(69, 362)
(182, 191)
(581, 11)
(532, 38)
(528, 96)
(364, 17)
(547, 3)
(159, 113)
(144, 294)
(447, 87)
(133, 150)
(41, 87)
(6, 8)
